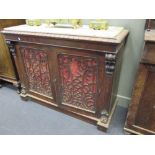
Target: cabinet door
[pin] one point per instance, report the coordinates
(78, 74)
(35, 67)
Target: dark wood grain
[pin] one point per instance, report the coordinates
(7, 65)
(150, 24)
(11, 22)
(149, 52)
(146, 111)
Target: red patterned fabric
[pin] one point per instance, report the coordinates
(37, 70)
(78, 80)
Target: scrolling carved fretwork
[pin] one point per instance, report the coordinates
(37, 70)
(78, 80)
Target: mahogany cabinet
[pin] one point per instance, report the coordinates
(7, 67)
(74, 74)
(141, 114)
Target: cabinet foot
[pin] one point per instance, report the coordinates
(24, 98)
(103, 126)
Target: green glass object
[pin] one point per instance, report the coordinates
(33, 22)
(63, 21)
(47, 22)
(76, 23)
(37, 22)
(99, 24)
(51, 22)
(29, 22)
(54, 21)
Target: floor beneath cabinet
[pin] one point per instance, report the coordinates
(18, 117)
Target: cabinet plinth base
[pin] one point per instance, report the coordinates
(130, 131)
(24, 98)
(134, 129)
(92, 120)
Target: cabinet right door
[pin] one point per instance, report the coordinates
(81, 81)
(78, 75)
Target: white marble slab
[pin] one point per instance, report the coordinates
(111, 33)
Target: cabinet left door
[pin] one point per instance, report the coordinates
(34, 64)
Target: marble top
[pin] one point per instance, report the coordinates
(112, 34)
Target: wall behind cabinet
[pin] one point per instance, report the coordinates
(132, 55)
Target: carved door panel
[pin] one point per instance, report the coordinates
(36, 75)
(145, 116)
(78, 74)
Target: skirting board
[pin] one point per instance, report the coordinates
(123, 101)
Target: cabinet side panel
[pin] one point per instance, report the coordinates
(116, 76)
(6, 65)
(7, 68)
(10, 22)
(136, 97)
(146, 110)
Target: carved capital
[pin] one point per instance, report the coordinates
(110, 61)
(11, 47)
